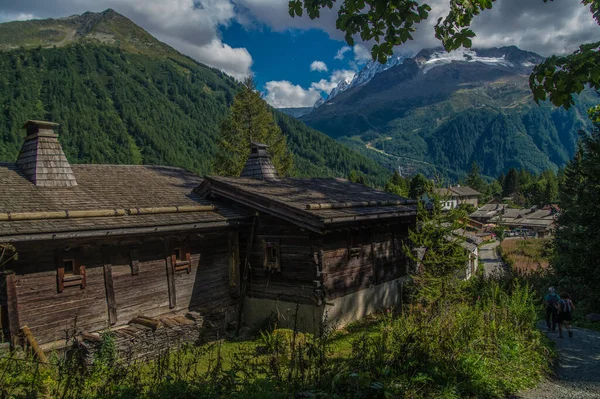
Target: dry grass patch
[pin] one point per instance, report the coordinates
(526, 256)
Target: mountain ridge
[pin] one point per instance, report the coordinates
(117, 103)
(411, 109)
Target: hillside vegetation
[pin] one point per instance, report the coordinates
(448, 117)
(120, 101)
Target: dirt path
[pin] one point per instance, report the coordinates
(492, 265)
(578, 371)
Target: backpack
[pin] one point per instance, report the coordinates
(553, 299)
(566, 305)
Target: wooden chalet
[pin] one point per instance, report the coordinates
(101, 245)
(322, 249)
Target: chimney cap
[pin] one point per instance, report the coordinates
(42, 124)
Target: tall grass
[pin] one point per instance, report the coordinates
(483, 345)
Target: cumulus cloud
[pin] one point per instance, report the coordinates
(16, 17)
(326, 85)
(553, 27)
(341, 52)
(318, 66)
(284, 94)
(233, 61)
(191, 26)
(275, 14)
(362, 54)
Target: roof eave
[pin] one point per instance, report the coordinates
(118, 232)
(280, 210)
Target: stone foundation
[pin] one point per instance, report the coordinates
(146, 338)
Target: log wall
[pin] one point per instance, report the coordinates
(357, 259)
(297, 279)
(135, 270)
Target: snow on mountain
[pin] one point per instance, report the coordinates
(319, 102)
(439, 58)
(372, 68)
(367, 73)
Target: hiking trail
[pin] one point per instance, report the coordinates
(577, 375)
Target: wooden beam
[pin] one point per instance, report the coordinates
(12, 308)
(234, 263)
(374, 258)
(134, 261)
(109, 286)
(170, 279)
(245, 275)
(33, 344)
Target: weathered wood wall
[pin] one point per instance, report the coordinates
(337, 263)
(297, 279)
(136, 273)
(357, 259)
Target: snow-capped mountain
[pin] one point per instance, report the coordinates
(510, 57)
(366, 73)
(319, 102)
(372, 68)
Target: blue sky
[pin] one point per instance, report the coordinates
(258, 37)
(287, 55)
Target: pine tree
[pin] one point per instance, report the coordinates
(474, 179)
(511, 182)
(397, 185)
(419, 185)
(438, 252)
(250, 119)
(577, 243)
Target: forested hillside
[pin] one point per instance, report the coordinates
(440, 113)
(119, 105)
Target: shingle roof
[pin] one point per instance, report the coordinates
(464, 191)
(457, 191)
(107, 187)
(259, 165)
(314, 203)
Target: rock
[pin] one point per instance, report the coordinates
(593, 317)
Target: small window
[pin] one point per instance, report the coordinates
(354, 247)
(70, 273)
(69, 266)
(271, 256)
(177, 253)
(181, 260)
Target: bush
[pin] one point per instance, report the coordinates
(484, 344)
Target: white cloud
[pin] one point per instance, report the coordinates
(191, 26)
(319, 66)
(336, 77)
(552, 27)
(341, 52)
(284, 94)
(361, 53)
(275, 14)
(233, 61)
(15, 17)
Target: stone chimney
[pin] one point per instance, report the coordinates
(259, 166)
(42, 159)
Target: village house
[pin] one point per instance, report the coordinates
(152, 248)
(536, 221)
(454, 196)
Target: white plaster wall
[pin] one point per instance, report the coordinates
(338, 312)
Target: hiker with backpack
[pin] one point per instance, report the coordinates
(565, 308)
(551, 300)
